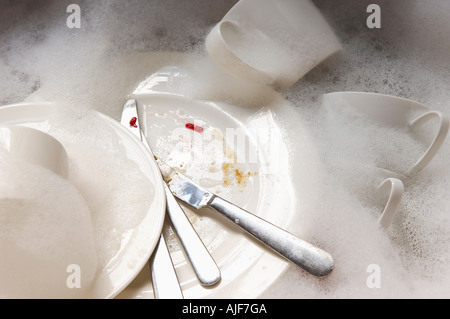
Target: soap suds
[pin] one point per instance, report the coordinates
(117, 193)
(407, 57)
(46, 227)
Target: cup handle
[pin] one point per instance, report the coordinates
(437, 142)
(395, 188)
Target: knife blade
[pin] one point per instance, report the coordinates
(205, 268)
(309, 257)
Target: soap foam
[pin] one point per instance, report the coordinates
(49, 223)
(406, 58)
(117, 193)
(46, 227)
(402, 59)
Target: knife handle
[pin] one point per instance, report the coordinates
(312, 259)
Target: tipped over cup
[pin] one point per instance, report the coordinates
(274, 42)
(387, 138)
(383, 113)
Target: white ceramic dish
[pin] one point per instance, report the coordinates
(247, 267)
(140, 242)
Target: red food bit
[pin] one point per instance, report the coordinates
(133, 122)
(194, 127)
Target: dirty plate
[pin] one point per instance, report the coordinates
(240, 155)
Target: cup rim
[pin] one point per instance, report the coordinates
(406, 105)
(402, 101)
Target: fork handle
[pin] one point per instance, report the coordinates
(312, 259)
(164, 278)
(206, 269)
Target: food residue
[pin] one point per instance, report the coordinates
(231, 173)
(194, 127)
(133, 121)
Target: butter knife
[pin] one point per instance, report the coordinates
(205, 268)
(312, 259)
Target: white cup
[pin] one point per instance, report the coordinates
(274, 42)
(388, 113)
(394, 112)
(35, 147)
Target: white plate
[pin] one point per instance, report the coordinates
(140, 241)
(247, 267)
